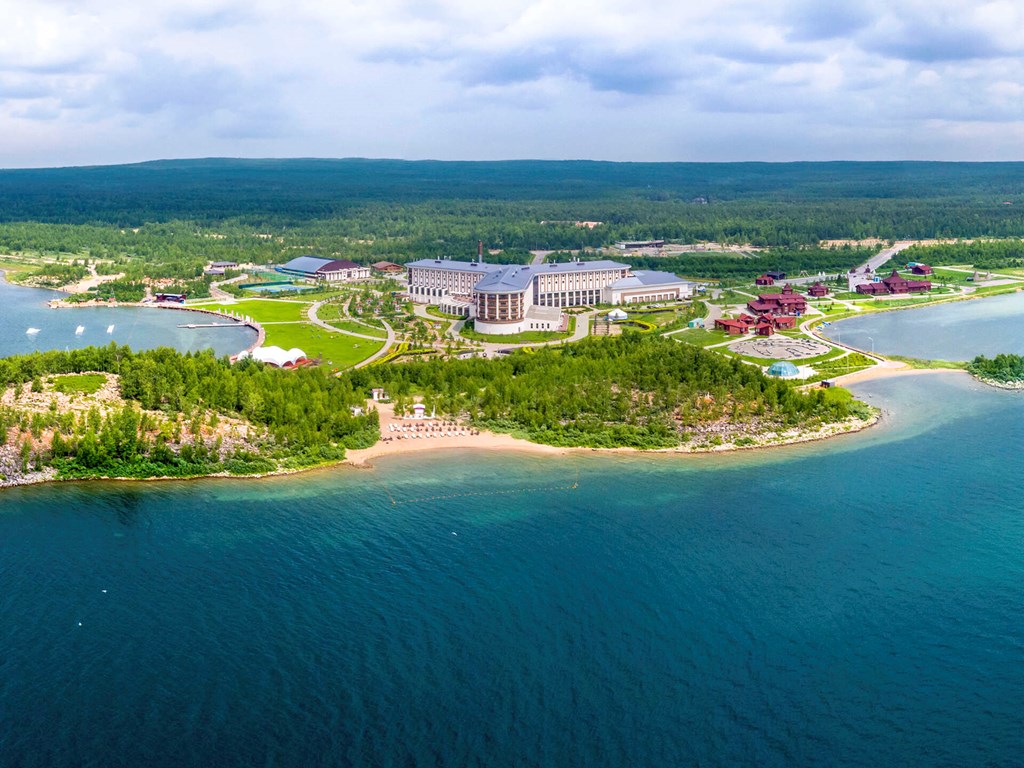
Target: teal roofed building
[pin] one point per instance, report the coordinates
(783, 369)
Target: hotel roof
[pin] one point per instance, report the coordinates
(581, 266)
(647, 278)
(455, 266)
(510, 279)
(314, 264)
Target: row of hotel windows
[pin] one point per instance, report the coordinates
(569, 298)
(543, 282)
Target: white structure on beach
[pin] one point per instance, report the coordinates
(280, 358)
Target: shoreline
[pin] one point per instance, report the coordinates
(363, 458)
(491, 441)
(1008, 386)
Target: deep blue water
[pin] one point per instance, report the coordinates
(139, 327)
(854, 603)
(956, 331)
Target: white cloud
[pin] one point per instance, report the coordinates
(112, 80)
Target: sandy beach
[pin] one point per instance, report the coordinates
(409, 435)
(431, 436)
(890, 369)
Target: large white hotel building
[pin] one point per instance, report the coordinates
(511, 298)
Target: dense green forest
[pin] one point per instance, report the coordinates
(982, 254)
(633, 390)
(303, 416)
(792, 261)
(169, 218)
(1005, 369)
(303, 190)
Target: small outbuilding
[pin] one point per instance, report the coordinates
(921, 269)
(617, 315)
(730, 326)
(764, 280)
(697, 322)
(818, 290)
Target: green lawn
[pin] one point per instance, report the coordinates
(86, 383)
(435, 312)
(336, 349)
(263, 310)
(354, 327)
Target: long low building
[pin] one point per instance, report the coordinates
(510, 298)
(324, 270)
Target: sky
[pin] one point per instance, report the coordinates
(111, 81)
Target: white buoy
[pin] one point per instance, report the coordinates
(110, 329)
(32, 331)
(79, 330)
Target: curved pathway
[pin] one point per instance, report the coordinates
(311, 313)
(217, 293)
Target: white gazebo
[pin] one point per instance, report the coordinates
(617, 314)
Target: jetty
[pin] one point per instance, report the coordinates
(212, 325)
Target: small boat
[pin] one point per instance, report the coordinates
(79, 330)
(110, 329)
(32, 331)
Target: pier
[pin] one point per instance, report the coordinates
(212, 325)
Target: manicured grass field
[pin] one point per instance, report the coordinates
(86, 383)
(336, 349)
(353, 327)
(264, 310)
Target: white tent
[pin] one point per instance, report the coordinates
(617, 314)
(277, 356)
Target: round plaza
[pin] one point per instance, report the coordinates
(781, 348)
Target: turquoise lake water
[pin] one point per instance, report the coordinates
(141, 328)
(856, 602)
(956, 331)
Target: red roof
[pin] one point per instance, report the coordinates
(338, 265)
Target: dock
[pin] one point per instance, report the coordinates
(212, 325)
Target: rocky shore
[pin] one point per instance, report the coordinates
(1016, 385)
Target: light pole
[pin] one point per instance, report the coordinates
(872, 345)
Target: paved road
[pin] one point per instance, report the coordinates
(581, 331)
(315, 319)
(217, 293)
(880, 258)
